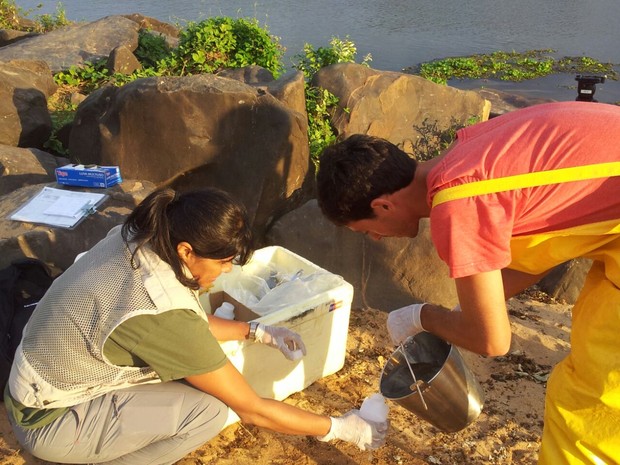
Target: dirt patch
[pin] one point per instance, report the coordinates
(507, 432)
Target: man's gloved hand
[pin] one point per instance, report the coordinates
(404, 322)
(286, 341)
(351, 427)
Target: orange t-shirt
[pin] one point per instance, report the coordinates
(472, 235)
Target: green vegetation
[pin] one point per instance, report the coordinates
(320, 103)
(152, 48)
(60, 117)
(49, 22)
(205, 47)
(12, 17)
(84, 78)
(511, 66)
(339, 51)
(222, 42)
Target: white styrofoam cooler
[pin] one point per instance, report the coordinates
(322, 320)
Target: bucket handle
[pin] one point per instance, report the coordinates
(415, 381)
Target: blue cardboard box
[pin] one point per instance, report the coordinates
(88, 175)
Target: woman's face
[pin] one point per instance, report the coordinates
(204, 270)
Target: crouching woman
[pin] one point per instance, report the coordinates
(120, 364)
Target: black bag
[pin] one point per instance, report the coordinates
(22, 284)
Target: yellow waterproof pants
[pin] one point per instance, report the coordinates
(582, 408)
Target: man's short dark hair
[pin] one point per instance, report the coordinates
(354, 172)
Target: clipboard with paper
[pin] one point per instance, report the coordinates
(58, 207)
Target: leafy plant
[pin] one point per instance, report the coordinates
(223, 42)
(319, 106)
(151, 50)
(320, 103)
(84, 78)
(339, 51)
(49, 22)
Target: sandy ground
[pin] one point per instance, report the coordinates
(507, 432)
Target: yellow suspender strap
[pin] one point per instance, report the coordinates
(520, 181)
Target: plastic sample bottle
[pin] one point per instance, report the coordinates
(226, 311)
(374, 408)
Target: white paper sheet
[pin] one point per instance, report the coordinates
(57, 207)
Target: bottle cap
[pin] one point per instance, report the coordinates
(227, 306)
(374, 408)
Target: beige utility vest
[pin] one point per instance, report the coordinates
(60, 361)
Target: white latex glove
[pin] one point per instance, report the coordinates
(351, 427)
(286, 341)
(404, 322)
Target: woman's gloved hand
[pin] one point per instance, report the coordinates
(404, 322)
(351, 427)
(286, 341)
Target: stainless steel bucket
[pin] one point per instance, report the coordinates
(446, 393)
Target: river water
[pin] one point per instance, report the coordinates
(403, 33)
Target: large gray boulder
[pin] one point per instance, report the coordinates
(201, 130)
(385, 274)
(58, 247)
(25, 167)
(122, 60)
(76, 44)
(25, 87)
(392, 105)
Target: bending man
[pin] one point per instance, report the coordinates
(509, 200)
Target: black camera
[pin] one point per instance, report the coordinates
(586, 86)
